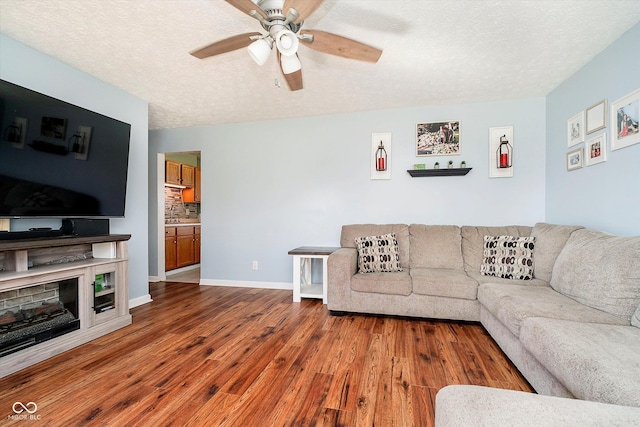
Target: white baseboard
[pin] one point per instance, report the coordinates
(154, 279)
(135, 302)
(247, 284)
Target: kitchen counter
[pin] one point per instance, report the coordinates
(182, 224)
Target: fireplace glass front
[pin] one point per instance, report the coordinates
(31, 315)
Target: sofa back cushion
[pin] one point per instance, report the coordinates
(550, 239)
(435, 246)
(473, 242)
(352, 231)
(600, 270)
(635, 320)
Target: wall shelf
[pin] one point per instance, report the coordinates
(418, 173)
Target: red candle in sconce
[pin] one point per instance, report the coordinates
(504, 153)
(504, 160)
(381, 158)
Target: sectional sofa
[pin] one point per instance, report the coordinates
(563, 302)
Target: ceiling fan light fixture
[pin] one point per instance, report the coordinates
(290, 64)
(259, 51)
(287, 42)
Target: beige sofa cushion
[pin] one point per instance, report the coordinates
(550, 239)
(351, 232)
(635, 320)
(468, 405)
(398, 283)
(511, 304)
(601, 271)
(435, 246)
(473, 242)
(442, 282)
(594, 361)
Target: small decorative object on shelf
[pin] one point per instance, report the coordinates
(463, 164)
(381, 158)
(436, 165)
(503, 154)
(419, 166)
(450, 164)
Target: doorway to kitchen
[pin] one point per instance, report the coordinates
(181, 212)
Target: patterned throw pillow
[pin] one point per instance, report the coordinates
(508, 257)
(378, 253)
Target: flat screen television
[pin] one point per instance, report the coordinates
(58, 160)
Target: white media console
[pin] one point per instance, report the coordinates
(36, 273)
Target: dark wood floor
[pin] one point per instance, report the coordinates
(216, 356)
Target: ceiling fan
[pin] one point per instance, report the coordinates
(283, 19)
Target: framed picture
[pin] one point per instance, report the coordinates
(380, 156)
(504, 133)
(596, 150)
(624, 121)
(596, 117)
(575, 129)
(438, 138)
(574, 159)
(52, 127)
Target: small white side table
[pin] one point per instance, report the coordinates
(302, 265)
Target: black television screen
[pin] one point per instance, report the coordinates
(59, 160)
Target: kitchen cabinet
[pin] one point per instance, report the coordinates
(170, 249)
(182, 246)
(179, 173)
(192, 195)
(196, 244)
(172, 172)
(187, 175)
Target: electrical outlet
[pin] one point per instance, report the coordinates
(254, 265)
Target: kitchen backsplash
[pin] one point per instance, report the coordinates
(174, 207)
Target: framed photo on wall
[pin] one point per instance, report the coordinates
(624, 121)
(596, 116)
(575, 129)
(574, 159)
(438, 138)
(595, 150)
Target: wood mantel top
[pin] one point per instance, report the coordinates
(313, 250)
(51, 242)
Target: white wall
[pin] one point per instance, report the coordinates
(274, 185)
(604, 196)
(27, 67)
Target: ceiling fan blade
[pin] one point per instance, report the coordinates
(334, 44)
(246, 6)
(303, 7)
(224, 46)
(294, 80)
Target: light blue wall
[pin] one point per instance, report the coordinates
(604, 196)
(27, 67)
(274, 185)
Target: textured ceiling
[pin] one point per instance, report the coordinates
(435, 52)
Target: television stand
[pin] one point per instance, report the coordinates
(98, 263)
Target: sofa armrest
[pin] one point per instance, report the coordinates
(341, 266)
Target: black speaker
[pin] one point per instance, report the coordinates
(85, 227)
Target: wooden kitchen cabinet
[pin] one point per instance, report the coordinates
(172, 172)
(186, 246)
(187, 175)
(170, 249)
(196, 244)
(192, 195)
(181, 246)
